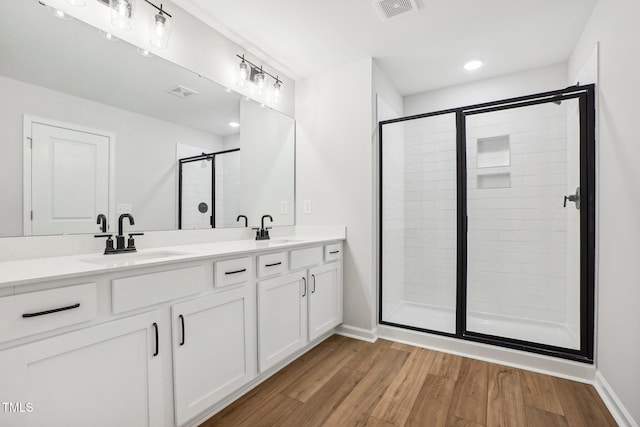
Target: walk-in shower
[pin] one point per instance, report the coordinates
(487, 222)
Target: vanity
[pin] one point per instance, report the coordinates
(163, 337)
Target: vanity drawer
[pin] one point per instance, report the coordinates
(134, 292)
(269, 264)
(305, 257)
(332, 252)
(35, 312)
(233, 271)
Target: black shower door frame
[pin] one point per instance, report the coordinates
(199, 158)
(585, 95)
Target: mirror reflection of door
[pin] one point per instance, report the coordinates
(69, 174)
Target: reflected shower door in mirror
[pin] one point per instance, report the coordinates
(149, 107)
(209, 190)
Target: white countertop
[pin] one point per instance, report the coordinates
(13, 273)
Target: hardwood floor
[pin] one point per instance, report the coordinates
(345, 382)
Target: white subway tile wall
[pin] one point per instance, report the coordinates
(517, 239)
(430, 214)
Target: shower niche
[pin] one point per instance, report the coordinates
(476, 242)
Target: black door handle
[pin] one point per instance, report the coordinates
(155, 328)
(181, 317)
(313, 276)
(53, 310)
(304, 293)
(236, 272)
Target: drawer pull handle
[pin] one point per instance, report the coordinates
(236, 272)
(274, 264)
(182, 328)
(54, 310)
(314, 283)
(155, 328)
(304, 293)
(334, 252)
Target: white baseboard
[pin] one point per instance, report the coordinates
(369, 335)
(615, 406)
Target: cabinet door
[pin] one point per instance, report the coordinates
(324, 299)
(213, 349)
(105, 375)
(282, 318)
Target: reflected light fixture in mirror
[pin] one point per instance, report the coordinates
(122, 13)
(244, 73)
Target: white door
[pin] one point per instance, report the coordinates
(324, 299)
(105, 375)
(213, 349)
(282, 318)
(69, 180)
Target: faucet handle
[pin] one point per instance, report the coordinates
(109, 244)
(131, 243)
(103, 235)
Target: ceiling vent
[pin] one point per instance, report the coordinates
(390, 9)
(181, 91)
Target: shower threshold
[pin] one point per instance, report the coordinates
(443, 319)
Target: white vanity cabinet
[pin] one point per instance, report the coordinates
(325, 299)
(282, 318)
(105, 375)
(214, 350)
(299, 307)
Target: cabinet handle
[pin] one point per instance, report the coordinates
(236, 272)
(155, 328)
(334, 252)
(274, 264)
(54, 310)
(304, 293)
(314, 283)
(181, 317)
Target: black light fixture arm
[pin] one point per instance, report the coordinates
(162, 11)
(276, 78)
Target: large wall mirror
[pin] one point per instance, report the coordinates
(90, 125)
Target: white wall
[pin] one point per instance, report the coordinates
(614, 25)
(193, 45)
(334, 171)
(508, 86)
(145, 152)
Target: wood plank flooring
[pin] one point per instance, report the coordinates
(345, 382)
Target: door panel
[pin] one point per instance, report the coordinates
(69, 180)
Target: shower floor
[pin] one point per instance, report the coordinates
(444, 319)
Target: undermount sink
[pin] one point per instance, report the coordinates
(130, 258)
(284, 241)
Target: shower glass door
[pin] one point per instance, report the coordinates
(487, 223)
(523, 234)
(419, 225)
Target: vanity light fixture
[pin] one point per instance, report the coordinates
(160, 27)
(122, 12)
(473, 65)
(250, 72)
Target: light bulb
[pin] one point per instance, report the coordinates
(258, 79)
(277, 91)
(244, 72)
(160, 29)
(122, 13)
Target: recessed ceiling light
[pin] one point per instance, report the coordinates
(59, 14)
(108, 36)
(77, 3)
(473, 65)
(144, 52)
(234, 124)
